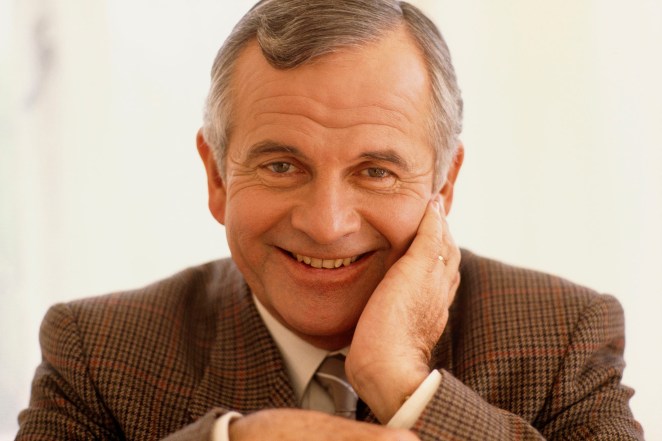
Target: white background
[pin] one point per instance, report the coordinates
(101, 188)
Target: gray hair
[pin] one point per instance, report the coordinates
(291, 33)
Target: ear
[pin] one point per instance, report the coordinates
(215, 184)
(446, 191)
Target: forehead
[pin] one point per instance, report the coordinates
(382, 87)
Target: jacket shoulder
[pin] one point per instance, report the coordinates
(516, 323)
(184, 306)
(138, 349)
(489, 280)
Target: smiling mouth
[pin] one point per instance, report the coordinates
(325, 263)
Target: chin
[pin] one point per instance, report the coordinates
(334, 325)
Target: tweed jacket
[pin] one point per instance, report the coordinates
(524, 356)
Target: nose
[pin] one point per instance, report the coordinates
(327, 212)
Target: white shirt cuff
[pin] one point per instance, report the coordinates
(411, 410)
(221, 432)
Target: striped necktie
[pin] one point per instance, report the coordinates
(331, 376)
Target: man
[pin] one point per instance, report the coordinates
(331, 148)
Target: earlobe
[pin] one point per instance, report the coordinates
(446, 191)
(215, 184)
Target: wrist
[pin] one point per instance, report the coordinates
(385, 389)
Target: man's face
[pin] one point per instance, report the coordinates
(328, 173)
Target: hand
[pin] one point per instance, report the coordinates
(304, 425)
(404, 318)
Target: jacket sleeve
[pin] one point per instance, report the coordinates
(66, 404)
(585, 401)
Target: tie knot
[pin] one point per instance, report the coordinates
(331, 375)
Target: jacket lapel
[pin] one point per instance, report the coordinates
(246, 372)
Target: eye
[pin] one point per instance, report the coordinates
(281, 167)
(377, 178)
(374, 172)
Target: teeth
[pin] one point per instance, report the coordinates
(325, 263)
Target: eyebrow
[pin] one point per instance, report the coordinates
(269, 147)
(388, 155)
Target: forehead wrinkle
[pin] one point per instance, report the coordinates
(338, 126)
(323, 114)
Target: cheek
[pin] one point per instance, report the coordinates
(250, 214)
(398, 223)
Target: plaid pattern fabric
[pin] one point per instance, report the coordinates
(524, 356)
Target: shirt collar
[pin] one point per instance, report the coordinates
(301, 358)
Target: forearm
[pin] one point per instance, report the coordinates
(457, 412)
